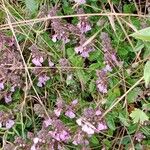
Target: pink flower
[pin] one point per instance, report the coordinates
(84, 26)
(50, 63)
(102, 88)
(54, 38)
(38, 61)
(12, 89)
(98, 112)
(64, 135)
(8, 98)
(74, 102)
(48, 122)
(108, 68)
(79, 121)
(42, 80)
(9, 124)
(60, 136)
(80, 1)
(33, 147)
(1, 86)
(70, 114)
(58, 112)
(101, 126)
(79, 49)
(87, 129)
(139, 136)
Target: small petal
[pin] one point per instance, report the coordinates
(98, 112)
(8, 98)
(80, 1)
(50, 63)
(33, 147)
(70, 114)
(1, 86)
(9, 124)
(79, 121)
(101, 126)
(36, 62)
(35, 140)
(48, 122)
(79, 49)
(74, 102)
(57, 112)
(54, 38)
(87, 129)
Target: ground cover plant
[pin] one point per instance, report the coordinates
(74, 75)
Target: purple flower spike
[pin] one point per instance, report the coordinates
(102, 81)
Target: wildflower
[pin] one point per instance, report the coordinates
(37, 56)
(70, 109)
(74, 102)
(59, 107)
(9, 123)
(80, 138)
(50, 63)
(80, 1)
(58, 112)
(8, 98)
(42, 80)
(70, 114)
(101, 82)
(47, 122)
(60, 132)
(64, 63)
(87, 129)
(109, 53)
(83, 50)
(139, 136)
(101, 126)
(83, 24)
(1, 86)
(38, 61)
(91, 121)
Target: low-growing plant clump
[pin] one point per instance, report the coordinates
(74, 74)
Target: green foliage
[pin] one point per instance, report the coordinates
(133, 95)
(138, 115)
(31, 5)
(147, 73)
(143, 34)
(129, 8)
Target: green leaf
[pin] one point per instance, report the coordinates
(143, 34)
(111, 123)
(146, 107)
(138, 116)
(92, 86)
(94, 140)
(147, 73)
(138, 47)
(31, 5)
(133, 95)
(123, 119)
